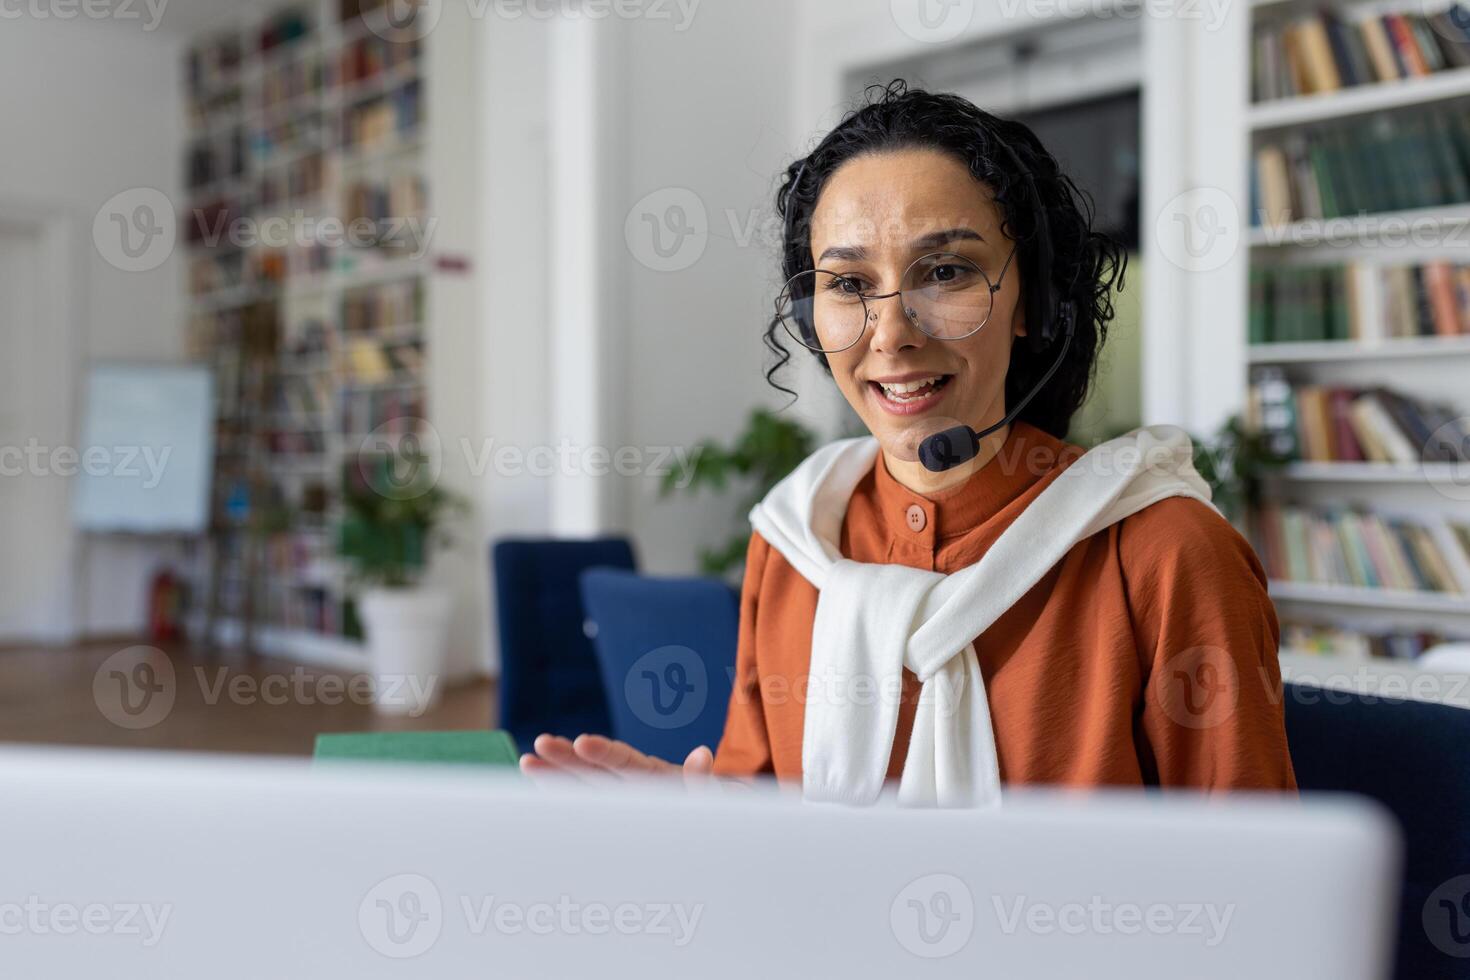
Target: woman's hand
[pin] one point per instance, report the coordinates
(590, 756)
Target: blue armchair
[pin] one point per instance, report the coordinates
(549, 681)
(1414, 758)
(666, 647)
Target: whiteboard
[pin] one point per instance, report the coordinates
(145, 458)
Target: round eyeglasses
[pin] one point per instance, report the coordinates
(945, 295)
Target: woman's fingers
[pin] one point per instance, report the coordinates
(700, 762)
(591, 756)
(556, 750)
(699, 767)
(618, 757)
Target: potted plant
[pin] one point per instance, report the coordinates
(390, 523)
(769, 448)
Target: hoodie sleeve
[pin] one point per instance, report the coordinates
(1211, 714)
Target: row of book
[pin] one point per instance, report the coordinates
(297, 178)
(384, 120)
(1358, 643)
(401, 196)
(296, 442)
(310, 608)
(301, 397)
(1363, 549)
(306, 338)
(212, 77)
(371, 56)
(389, 411)
(1359, 301)
(387, 304)
(1390, 162)
(279, 139)
(284, 82)
(298, 82)
(1323, 424)
(370, 362)
(1326, 51)
(214, 157)
(212, 271)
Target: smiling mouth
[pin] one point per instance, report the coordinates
(911, 394)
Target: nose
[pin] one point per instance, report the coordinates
(893, 328)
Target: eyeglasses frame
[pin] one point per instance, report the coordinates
(870, 316)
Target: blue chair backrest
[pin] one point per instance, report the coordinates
(549, 681)
(1414, 758)
(667, 651)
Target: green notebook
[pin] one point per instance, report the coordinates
(474, 748)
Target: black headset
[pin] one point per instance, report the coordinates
(1049, 315)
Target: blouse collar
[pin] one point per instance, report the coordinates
(1027, 456)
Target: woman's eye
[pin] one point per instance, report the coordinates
(845, 286)
(950, 273)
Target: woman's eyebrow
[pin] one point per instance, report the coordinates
(852, 253)
(936, 238)
(856, 253)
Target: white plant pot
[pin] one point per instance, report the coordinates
(408, 644)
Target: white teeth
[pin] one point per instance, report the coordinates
(903, 389)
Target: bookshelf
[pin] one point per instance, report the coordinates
(307, 229)
(1360, 204)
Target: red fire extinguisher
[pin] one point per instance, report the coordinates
(165, 607)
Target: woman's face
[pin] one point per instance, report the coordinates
(875, 216)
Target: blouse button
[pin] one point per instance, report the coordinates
(916, 518)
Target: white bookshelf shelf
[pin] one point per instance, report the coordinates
(1386, 599)
(1359, 100)
(1345, 350)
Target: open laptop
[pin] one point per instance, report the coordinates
(124, 865)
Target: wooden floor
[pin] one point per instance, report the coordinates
(47, 697)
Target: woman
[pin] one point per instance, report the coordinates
(929, 274)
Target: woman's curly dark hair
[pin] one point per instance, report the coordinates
(1085, 264)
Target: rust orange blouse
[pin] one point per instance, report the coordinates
(1146, 656)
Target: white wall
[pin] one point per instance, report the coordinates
(706, 110)
(90, 109)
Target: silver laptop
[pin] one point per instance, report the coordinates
(123, 865)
